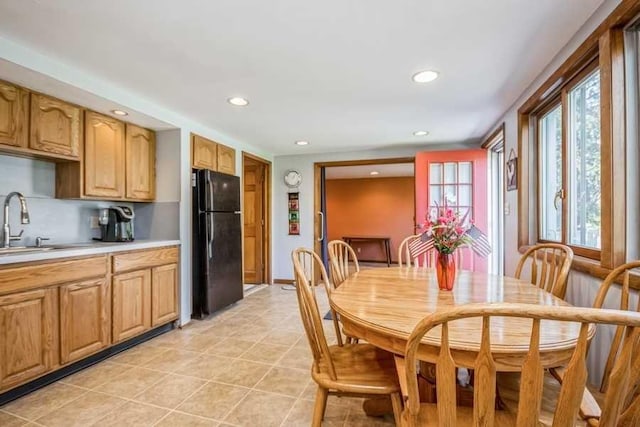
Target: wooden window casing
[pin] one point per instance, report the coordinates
(605, 45)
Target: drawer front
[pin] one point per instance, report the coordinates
(144, 259)
(41, 274)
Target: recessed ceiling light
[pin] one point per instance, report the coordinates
(302, 142)
(420, 133)
(374, 173)
(425, 76)
(120, 112)
(238, 102)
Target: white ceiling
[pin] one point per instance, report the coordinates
(364, 171)
(336, 73)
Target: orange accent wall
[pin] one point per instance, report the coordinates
(371, 207)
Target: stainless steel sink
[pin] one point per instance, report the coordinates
(21, 249)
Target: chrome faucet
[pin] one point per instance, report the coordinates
(24, 218)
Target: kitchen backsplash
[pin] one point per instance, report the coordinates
(68, 221)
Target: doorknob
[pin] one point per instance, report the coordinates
(321, 237)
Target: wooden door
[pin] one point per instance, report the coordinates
(164, 294)
(140, 155)
(14, 115)
(254, 221)
(226, 159)
(85, 317)
(460, 177)
(28, 324)
(104, 167)
(131, 304)
(55, 126)
(204, 153)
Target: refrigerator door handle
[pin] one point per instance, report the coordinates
(207, 226)
(210, 244)
(210, 193)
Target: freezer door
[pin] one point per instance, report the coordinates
(223, 260)
(219, 192)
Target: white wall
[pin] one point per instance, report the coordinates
(283, 243)
(582, 288)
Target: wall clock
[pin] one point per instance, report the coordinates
(292, 178)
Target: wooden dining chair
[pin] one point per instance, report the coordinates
(549, 265)
(341, 255)
(590, 410)
(619, 408)
(315, 274)
(360, 370)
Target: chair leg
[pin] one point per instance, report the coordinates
(320, 406)
(396, 402)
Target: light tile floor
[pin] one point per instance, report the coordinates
(246, 366)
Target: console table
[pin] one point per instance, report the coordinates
(385, 241)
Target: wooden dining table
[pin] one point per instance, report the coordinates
(383, 305)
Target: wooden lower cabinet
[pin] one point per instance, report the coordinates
(28, 331)
(85, 318)
(164, 294)
(131, 304)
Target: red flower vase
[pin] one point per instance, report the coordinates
(445, 271)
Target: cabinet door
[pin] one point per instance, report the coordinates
(131, 304)
(204, 153)
(28, 323)
(140, 158)
(164, 294)
(85, 316)
(226, 159)
(55, 126)
(14, 115)
(104, 167)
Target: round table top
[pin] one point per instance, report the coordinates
(383, 305)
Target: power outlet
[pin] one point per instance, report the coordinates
(93, 222)
(358, 250)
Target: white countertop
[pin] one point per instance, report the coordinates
(84, 249)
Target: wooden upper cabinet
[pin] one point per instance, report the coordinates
(85, 319)
(204, 153)
(140, 155)
(55, 126)
(104, 166)
(14, 115)
(207, 154)
(28, 325)
(226, 159)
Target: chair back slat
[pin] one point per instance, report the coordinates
(624, 272)
(340, 257)
(618, 384)
(309, 311)
(532, 380)
(573, 383)
(484, 388)
(549, 267)
(446, 381)
(575, 376)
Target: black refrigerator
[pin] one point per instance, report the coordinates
(217, 242)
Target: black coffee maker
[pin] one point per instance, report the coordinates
(116, 224)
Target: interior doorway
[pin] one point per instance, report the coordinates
(256, 230)
(351, 199)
